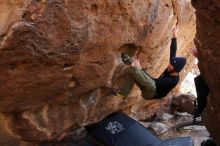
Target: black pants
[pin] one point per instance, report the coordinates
(202, 90)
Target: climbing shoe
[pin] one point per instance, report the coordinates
(126, 59)
(118, 94)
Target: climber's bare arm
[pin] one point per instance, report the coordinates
(175, 31)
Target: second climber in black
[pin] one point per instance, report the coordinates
(153, 88)
(202, 90)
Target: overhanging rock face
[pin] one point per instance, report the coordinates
(207, 39)
(61, 58)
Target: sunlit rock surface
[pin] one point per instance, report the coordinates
(60, 59)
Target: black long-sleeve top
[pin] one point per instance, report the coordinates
(166, 82)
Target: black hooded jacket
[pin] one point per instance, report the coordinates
(166, 82)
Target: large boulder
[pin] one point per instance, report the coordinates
(60, 59)
(183, 103)
(207, 40)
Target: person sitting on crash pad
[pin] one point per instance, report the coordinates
(153, 88)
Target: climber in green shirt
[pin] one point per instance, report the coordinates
(153, 88)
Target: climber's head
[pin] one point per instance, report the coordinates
(177, 64)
